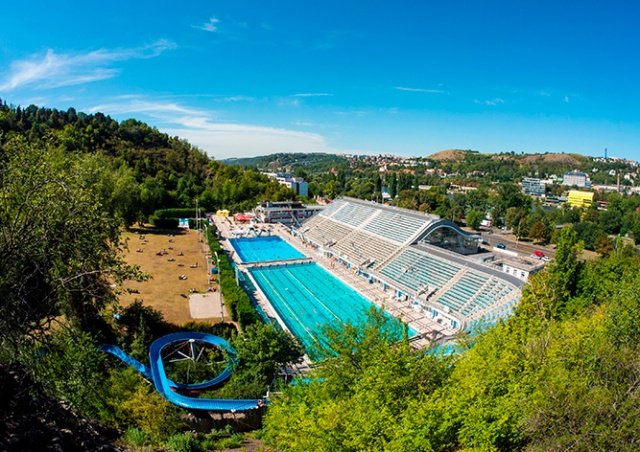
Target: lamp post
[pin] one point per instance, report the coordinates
(219, 286)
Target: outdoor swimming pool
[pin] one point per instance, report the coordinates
(306, 297)
(264, 249)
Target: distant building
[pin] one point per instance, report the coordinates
(577, 178)
(580, 198)
(284, 212)
(298, 184)
(533, 187)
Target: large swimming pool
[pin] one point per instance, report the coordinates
(306, 297)
(264, 249)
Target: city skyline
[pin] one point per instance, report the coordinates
(244, 78)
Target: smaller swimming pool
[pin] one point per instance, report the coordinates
(264, 249)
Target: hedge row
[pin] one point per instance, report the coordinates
(176, 213)
(238, 303)
(163, 223)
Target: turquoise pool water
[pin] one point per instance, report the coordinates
(306, 297)
(264, 249)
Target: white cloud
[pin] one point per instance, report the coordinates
(211, 26)
(418, 90)
(222, 141)
(154, 109)
(239, 98)
(490, 103)
(566, 99)
(54, 70)
(219, 140)
(312, 95)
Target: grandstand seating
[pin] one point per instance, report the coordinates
(314, 222)
(380, 236)
(331, 208)
(366, 247)
(329, 231)
(465, 289)
(395, 226)
(414, 269)
(353, 214)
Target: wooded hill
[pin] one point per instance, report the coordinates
(69, 185)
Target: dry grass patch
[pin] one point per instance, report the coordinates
(181, 253)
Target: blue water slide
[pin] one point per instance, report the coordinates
(166, 387)
(127, 359)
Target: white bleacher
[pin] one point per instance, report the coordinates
(313, 222)
(329, 231)
(331, 208)
(395, 226)
(414, 269)
(379, 237)
(366, 246)
(465, 288)
(353, 214)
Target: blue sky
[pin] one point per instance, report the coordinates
(242, 78)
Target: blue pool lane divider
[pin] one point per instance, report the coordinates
(167, 388)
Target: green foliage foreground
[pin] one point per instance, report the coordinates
(562, 374)
(60, 266)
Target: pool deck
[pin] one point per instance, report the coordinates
(427, 328)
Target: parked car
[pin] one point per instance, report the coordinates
(538, 253)
(501, 246)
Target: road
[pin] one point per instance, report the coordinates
(509, 240)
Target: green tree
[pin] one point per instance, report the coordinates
(59, 248)
(331, 189)
(539, 232)
(359, 396)
(474, 218)
(564, 269)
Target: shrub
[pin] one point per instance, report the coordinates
(135, 437)
(164, 223)
(237, 301)
(175, 213)
(183, 442)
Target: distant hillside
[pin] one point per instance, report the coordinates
(287, 163)
(568, 159)
(450, 155)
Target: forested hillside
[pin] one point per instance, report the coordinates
(69, 186)
(148, 170)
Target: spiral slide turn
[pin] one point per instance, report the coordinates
(166, 387)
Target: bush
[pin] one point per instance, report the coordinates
(237, 301)
(135, 437)
(232, 442)
(133, 403)
(183, 442)
(175, 213)
(164, 223)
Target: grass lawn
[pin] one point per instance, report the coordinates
(165, 291)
